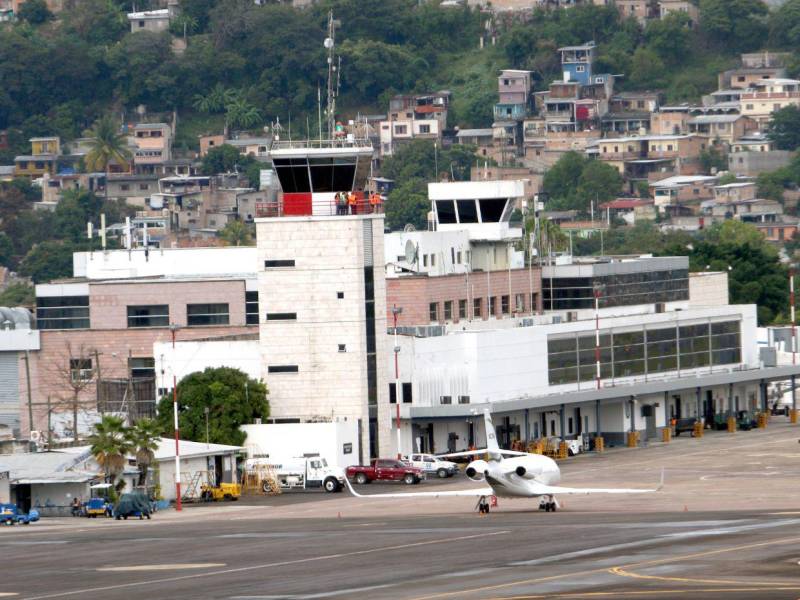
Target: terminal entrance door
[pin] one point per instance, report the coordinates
(708, 407)
(649, 415)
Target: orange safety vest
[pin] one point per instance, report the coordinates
(352, 200)
(375, 199)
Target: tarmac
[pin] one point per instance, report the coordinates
(726, 525)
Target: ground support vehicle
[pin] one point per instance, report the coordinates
(132, 505)
(303, 472)
(432, 465)
(385, 469)
(224, 491)
(684, 425)
(745, 421)
(11, 515)
(97, 507)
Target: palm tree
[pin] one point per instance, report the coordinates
(110, 447)
(241, 112)
(108, 145)
(236, 233)
(144, 437)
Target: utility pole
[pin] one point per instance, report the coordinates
(791, 310)
(28, 379)
(596, 335)
(177, 443)
(396, 311)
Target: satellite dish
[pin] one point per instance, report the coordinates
(409, 228)
(328, 43)
(411, 252)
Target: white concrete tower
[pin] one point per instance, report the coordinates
(322, 298)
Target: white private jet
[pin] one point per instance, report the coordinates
(522, 475)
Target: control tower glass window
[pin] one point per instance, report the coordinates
(467, 211)
(492, 209)
(446, 212)
(293, 174)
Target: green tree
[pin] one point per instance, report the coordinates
(225, 159)
(6, 249)
(735, 24)
(108, 145)
(110, 446)
(76, 208)
(647, 69)
(98, 22)
(18, 294)
(669, 37)
(599, 182)
(143, 438)
(755, 273)
(784, 25)
(562, 179)
(408, 204)
(48, 260)
(237, 233)
(712, 160)
(784, 128)
(231, 397)
(35, 12)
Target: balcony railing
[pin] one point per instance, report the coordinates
(275, 208)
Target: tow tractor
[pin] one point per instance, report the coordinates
(11, 515)
(98, 505)
(224, 491)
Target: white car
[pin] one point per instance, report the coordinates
(432, 464)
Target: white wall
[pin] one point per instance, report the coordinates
(289, 440)
(115, 264)
(188, 357)
(442, 244)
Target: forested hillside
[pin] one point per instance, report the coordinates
(57, 74)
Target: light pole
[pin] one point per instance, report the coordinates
(173, 329)
(396, 311)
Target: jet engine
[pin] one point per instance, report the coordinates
(524, 473)
(477, 469)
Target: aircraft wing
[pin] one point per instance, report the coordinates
(541, 489)
(481, 453)
(475, 493)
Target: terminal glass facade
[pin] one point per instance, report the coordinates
(648, 287)
(642, 352)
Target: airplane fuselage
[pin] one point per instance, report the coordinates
(517, 477)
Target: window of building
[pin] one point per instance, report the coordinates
(282, 369)
(504, 308)
(407, 396)
(149, 315)
(400, 130)
(124, 187)
(251, 307)
(342, 347)
(80, 369)
(453, 255)
(580, 68)
(492, 306)
(62, 312)
(458, 257)
(448, 310)
(433, 260)
(748, 107)
(534, 301)
(144, 186)
(433, 310)
(276, 264)
(281, 316)
(424, 128)
(141, 24)
(462, 309)
(340, 295)
(142, 367)
(477, 308)
(445, 399)
(424, 260)
(392, 393)
(200, 315)
(463, 399)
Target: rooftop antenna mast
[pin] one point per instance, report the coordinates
(330, 43)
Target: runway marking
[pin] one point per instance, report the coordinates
(268, 565)
(167, 567)
(623, 571)
(646, 593)
(343, 592)
(465, 591)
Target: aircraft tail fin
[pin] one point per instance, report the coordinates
(491, 436)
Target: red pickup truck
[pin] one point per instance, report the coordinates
(385, 469)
